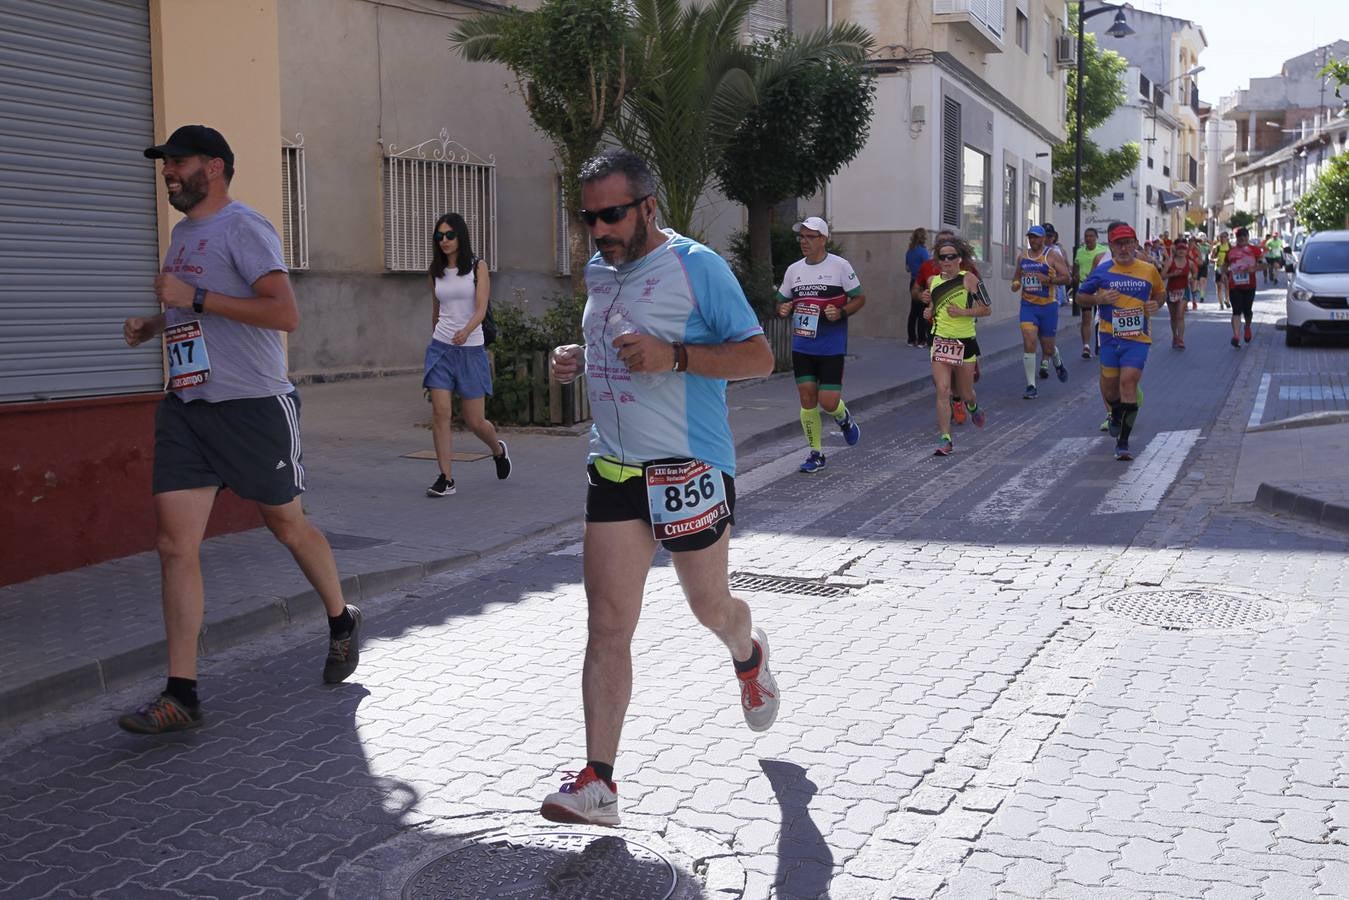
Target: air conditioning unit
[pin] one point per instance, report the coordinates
(1065, 51)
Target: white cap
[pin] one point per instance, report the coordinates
(814, 223)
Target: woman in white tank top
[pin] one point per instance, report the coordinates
(456, 361)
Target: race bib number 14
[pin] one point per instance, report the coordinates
(685, 498)
(806, 320)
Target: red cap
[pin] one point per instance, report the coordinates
(1121, 233)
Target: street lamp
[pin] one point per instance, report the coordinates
(1119, 29)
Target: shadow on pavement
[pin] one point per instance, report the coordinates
(805, 862)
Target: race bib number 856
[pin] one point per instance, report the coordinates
(685, 498)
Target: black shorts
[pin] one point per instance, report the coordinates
(1243, 301)
(624, 501)
(250, 446)
(1203, 270)
(826, 371)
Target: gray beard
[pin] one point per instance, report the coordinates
(189, 194)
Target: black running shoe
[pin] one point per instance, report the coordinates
(503, 462)
(344, 652)
(442, 488)
(161, 715)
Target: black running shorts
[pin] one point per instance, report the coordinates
(250, 446)
(1243, 301)
(623, 501)
(826, 371)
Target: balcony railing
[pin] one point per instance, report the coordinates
(983, 20)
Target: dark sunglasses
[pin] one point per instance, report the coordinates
(610, 215)
(947, 257)
(445, 235)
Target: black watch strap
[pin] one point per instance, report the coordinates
(199, 300)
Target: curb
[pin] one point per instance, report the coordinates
(87, 679)
(1285, 501)
(1306, 420)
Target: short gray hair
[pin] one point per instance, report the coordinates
(618, 161)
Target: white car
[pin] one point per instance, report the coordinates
(1318, 289)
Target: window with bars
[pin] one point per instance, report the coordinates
(426, 181)
(294, 205)
(950, 163)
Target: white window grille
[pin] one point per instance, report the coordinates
(294, 204)
(766, 18)
(423, 183)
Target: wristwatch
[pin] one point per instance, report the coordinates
(199, 300)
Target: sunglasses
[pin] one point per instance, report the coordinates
(444, 235)
(610, 215)
(947, 257)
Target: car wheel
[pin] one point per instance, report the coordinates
(1292, 337)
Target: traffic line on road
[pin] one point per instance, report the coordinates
(1261, 396)
(1313, 392)
(1141, 486)
(1024, 491)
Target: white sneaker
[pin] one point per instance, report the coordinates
(585, 800)
(759, 690)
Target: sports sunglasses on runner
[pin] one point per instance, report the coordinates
(610, 215)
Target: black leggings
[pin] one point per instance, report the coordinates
(918, 326)
(1243, 301)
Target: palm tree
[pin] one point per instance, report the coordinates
(697, 83)
(572, 64)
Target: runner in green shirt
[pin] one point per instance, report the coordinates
(1087, 257)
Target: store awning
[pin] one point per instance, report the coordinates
(1168, 201)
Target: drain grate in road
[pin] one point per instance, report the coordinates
(1181, 610)
(778, 584)
(551, 865)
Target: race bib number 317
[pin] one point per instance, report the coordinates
(189, 363)
(685, 498)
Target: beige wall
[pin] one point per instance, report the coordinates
(217, 64)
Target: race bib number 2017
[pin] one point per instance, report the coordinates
(685, 498)
(948, 350)
(189, 363)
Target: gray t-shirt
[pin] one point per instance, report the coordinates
(225, 253)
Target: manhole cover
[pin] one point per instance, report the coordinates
(778, 584)
(1181, 610)
(546, 866)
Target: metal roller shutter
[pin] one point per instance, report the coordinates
(78, 245)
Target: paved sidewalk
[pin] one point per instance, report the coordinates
(70, 636)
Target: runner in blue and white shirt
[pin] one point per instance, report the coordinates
(819, 291)
(666, 326)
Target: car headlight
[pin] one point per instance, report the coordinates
(1301, 294)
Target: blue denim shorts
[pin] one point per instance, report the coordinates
(459, 370)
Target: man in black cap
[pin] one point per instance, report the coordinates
(231, 416)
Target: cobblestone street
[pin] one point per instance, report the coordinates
(996, 700)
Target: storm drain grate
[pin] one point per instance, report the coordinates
(1182, 610)
(777, 584)
(551, 865)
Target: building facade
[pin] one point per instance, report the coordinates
(1161, 113)
(961, 138)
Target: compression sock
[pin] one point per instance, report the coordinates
(810, 424)
(1056, 359)
(1117, 412)
(839, 412)
(1130, 416)
(184, 690)
(1028, 364)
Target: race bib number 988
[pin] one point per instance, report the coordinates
(1127, 322)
